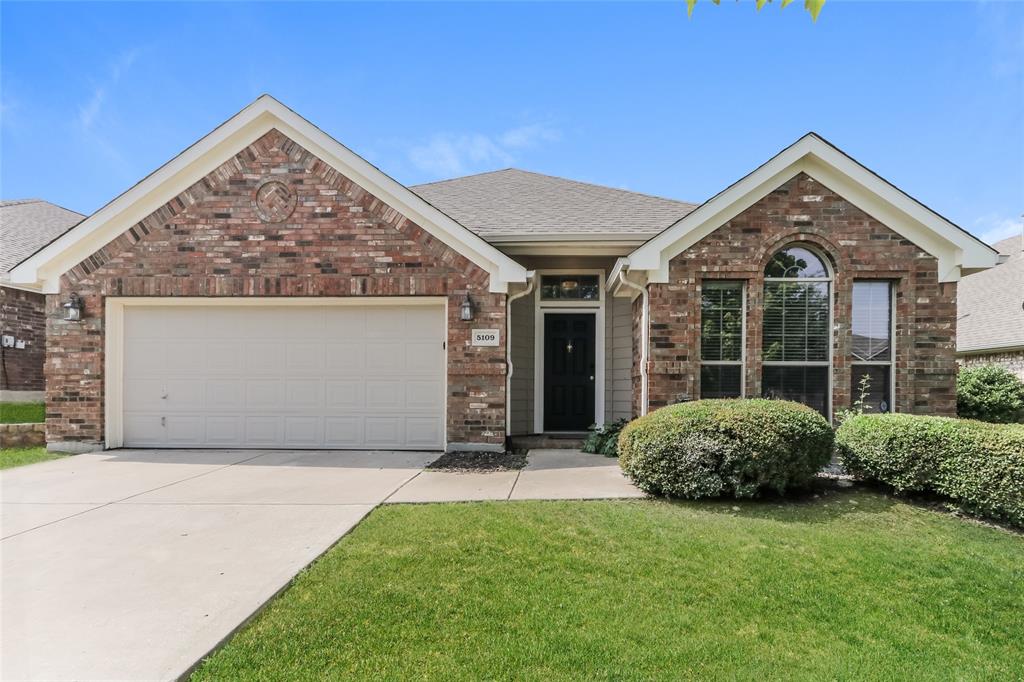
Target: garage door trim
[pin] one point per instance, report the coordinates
(114, 339)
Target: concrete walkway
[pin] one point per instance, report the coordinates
(549, 475)
(134, 564)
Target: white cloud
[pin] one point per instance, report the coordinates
(447, 154)
(992, 227)
(90, 111)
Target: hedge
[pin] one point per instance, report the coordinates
(990, 393)
(978, 466)
(738, 448)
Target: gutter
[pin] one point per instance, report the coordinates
(508, 347)
(620, 269)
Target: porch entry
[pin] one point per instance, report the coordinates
(569, 371)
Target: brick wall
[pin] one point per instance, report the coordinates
(859, 247)
(339, 241)
(22, 316)
(1011, 360)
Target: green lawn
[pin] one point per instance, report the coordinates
(22, 413)
(853, 585)
(15, 457)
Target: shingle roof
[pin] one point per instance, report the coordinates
(990, 304)
(26, 225)
(517, 203)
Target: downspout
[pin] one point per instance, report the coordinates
(508, 348)
(644, 336)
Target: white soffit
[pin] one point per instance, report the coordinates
(954, 248)
(46, 266)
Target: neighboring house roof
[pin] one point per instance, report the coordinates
(26, 225)
(955, 248)
(990, 304)
(44, 268)
(516, 204)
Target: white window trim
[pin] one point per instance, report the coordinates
(113, 344)
(891, 362)
(742, 362)
(542, 308)
(830, 281)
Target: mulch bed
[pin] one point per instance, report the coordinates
(477, 462)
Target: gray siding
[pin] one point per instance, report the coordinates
(521, 338)
(618, 395)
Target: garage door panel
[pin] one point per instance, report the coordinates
(343, 432)
(422, 431)
(262, 394)
(304, 394)
(302, 431)
(346, 358)
(384, 432)
(144, 394)
(263, 430)
(280, 376)
(225, 394)
(224, 431)
(345, 394)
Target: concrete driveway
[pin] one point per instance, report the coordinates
(132, 565)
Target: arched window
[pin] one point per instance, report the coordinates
(796, 335)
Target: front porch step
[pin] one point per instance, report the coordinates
(548, 441)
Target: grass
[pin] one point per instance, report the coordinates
(16, 457)
(851, 585)
(22, 413)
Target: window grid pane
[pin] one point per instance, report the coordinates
(878, 398)
(570, 288)
(800, 383)
(721, 321)
(796, 321)
(720, 381)
(872, 321)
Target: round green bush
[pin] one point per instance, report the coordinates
(989, 393)
(713, 448)
(977, 465)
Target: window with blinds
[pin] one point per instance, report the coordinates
(721, 339)
(871, 345)
(796, 333)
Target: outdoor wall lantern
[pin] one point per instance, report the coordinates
(73, 308)
(466, 309)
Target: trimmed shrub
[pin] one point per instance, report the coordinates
(978, 466)
(712, 448)
(604, 440)
(990, 393)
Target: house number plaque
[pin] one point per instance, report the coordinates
(485, 337)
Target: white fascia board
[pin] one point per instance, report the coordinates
(953, 247)
(266, 113)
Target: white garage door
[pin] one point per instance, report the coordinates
(345, 376)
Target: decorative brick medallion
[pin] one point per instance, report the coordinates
(274, 201)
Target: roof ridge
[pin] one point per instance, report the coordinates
(562, 179)
(19, 202)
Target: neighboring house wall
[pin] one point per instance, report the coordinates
(1011, 360)
(340, 241)
(803, 210)
(22, 316)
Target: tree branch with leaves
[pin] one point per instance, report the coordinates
(812, 6)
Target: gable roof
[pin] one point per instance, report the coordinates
(990, 304)
(26, 225)
(955, 248)
(45, 267)
(517, 204)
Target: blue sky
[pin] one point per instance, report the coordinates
(632, 95)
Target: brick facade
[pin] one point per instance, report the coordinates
(859, 247)
(340, 241)
(1012, 361)
(22, 315)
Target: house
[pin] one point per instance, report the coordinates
(26, 225)
(270, 288)
(990, 312)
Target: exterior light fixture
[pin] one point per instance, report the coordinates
(73, 308)
(466, 309)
